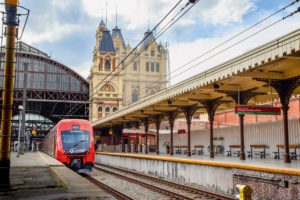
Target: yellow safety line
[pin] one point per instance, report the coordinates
(277, 170)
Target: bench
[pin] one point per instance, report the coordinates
(261, 152)
(178, 149)
(281, 146)
(198, 149)
(232, 152)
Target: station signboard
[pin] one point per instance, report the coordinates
(257, 110)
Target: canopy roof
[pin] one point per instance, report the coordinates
(251, 71)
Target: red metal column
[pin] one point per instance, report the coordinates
(146, 123)
(287, 157)
(211, 106)
(189, 112)
(242, 155)
(242, 98)
(158, 119)
(137, 126)
(284, 88)
(171, 117)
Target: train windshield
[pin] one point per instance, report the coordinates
(75, 141)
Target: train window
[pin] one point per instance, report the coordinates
(75, 139)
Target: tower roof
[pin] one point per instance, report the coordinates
(116, 33)
(106, 43)
(148, 36)
(102, 24)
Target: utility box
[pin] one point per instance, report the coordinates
(244, 192)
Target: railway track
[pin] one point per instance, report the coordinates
(117, 194)
(201, 194)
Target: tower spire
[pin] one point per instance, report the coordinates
(148, 19)
(116, 14)
(106, 14)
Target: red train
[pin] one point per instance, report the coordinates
(71, 142)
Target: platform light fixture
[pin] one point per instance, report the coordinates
(20, 107)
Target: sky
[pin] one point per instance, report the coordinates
(66, 29)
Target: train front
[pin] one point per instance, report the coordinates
(77, 142)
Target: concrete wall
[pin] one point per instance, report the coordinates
(216, 178)
(270, 133)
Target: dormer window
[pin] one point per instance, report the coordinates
(152, 53)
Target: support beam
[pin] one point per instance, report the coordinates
(171, 115)
(242, 98)
(189, 112)
(11, 24)
(157, 120)
(121, 127)
(211, 106)
(284, 88)
(137, 126)
(146, 123)
(128, 125)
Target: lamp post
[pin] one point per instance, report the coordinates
(20, 107)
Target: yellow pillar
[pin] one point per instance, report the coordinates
(11, 23)
(245, 192)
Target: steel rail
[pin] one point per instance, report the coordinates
(146, 185)
(107, 188)
(174, 185)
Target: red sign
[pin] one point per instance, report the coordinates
(131, 134)
(181, 131)
(257, 110)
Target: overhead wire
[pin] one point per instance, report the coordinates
(134, 49)
(231, 38)
(283, 18)
(142, 50)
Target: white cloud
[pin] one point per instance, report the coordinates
(133, 12)
(226, 11)
(83, 68)
(183, 52)
(50, 33)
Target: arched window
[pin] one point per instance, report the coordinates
(115, 109)
(107, 109)
(107, 65)
(107, 88)
(100, 109)
(134, 96)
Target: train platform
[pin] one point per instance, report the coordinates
(36, 175)
(257, 164)
(269, 178)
